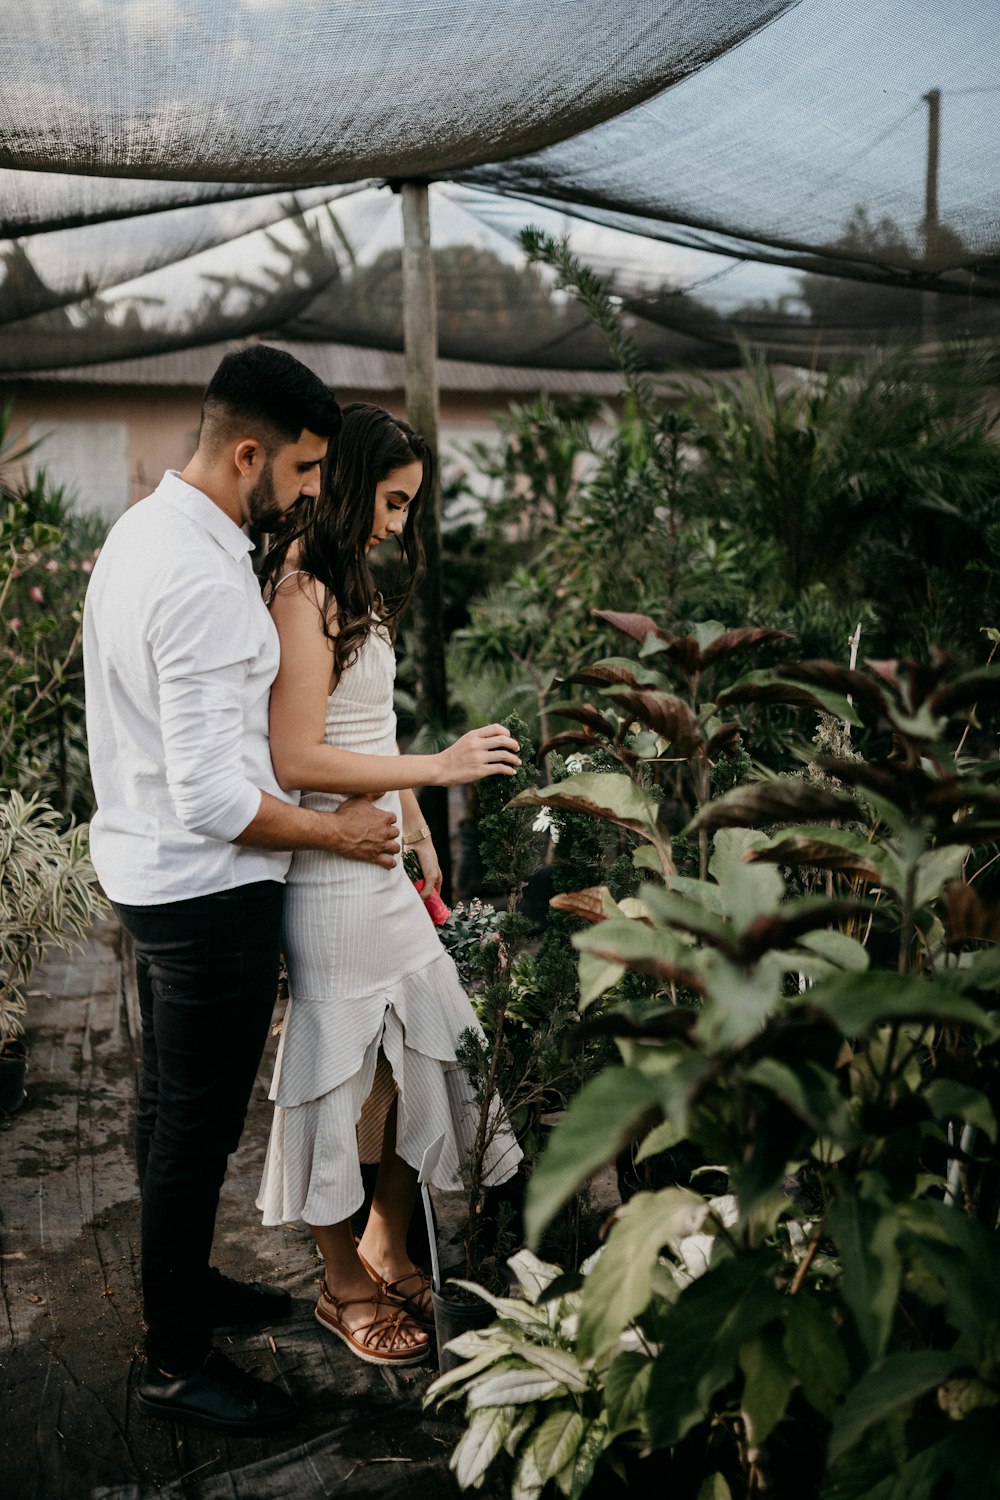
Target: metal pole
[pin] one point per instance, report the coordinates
(931, 222)
(420, 345)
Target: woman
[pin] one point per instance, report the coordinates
(375, 998)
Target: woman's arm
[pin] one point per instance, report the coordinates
(414, 827)
(302, 762)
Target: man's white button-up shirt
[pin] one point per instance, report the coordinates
(179, 657)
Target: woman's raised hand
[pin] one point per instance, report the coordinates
(482, 752)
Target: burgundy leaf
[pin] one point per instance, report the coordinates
(799, 850)
(664, 715)
(731, 641)
(828, 674)
(605, 672)
(585, 713)
(568, 737)
(775, 802)
(587, 904)
(767, 692)
(888, 670)
(979, 686)
(636, 626)
(969, 919)
(724, 740)
(776, 931)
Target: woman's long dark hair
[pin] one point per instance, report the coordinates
(332, 529)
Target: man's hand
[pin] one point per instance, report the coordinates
(361, 831)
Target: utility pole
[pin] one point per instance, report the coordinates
(931, 222)
(420, 345)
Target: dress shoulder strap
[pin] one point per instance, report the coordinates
(283, 579)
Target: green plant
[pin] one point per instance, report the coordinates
(50, 896)
(46, 554)
(528, 1394)
(837, 1057)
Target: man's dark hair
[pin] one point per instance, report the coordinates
(268, 394)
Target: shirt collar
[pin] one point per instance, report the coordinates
(196, 504)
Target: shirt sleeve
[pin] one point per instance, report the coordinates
(203, 642)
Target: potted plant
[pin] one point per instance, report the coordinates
(50, 897)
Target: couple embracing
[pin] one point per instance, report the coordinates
(251, 797)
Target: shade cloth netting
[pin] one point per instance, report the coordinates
(135, 136)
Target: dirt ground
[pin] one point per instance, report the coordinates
(70, 1316)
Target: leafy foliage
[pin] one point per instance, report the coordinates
(50, 895)
(46, 553)
(836, 1055)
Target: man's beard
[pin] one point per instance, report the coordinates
(262, 503)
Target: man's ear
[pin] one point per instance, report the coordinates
(248, 456)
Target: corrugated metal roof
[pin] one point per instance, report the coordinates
(343, 366)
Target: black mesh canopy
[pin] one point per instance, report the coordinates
(814, 176)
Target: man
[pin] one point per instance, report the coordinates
(191, 842)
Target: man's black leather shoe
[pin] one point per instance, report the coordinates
(218, 1395)
(245, 1304)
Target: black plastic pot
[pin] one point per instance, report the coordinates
(13, 1062)
(453, 1316)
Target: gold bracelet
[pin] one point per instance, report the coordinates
(423, 832)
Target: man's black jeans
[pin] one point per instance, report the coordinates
(207, 972)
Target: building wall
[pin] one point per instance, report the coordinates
(110, 445)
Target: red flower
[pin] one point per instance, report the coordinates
(436, 909)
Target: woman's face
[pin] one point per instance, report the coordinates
(393, 496)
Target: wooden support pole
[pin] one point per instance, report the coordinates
(931, 224)
(420, 344)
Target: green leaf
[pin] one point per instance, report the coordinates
(857, 1003)
(599, 1122)
(480, 1444)
(625, 1387)
(768, 686)
(866, 1228)
(979, 971)
(833, 849)
(462, 1373)
(523, 1422)
(768, 1381)
(950, 1099)
(843, 951)
(620, 1285)
(894, 1383)
(709, 1322)
(661, 1138)
(557, 1440)
(748, 891)
(809, 1092)
(965, 1259)
(935, 869)
(528, 1478)
(587, 1457)
(533, 1275)
(815, 1350)
(715, 1487)
(782, 801)
(603, 794)
(511, 1308)
(557, 1363)
(513, 1388)
(646, 858)
(636, 945)
(599, 974)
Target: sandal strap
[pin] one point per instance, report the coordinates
(392, 1288)
(372, 1335)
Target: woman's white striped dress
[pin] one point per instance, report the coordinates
(367, 975)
